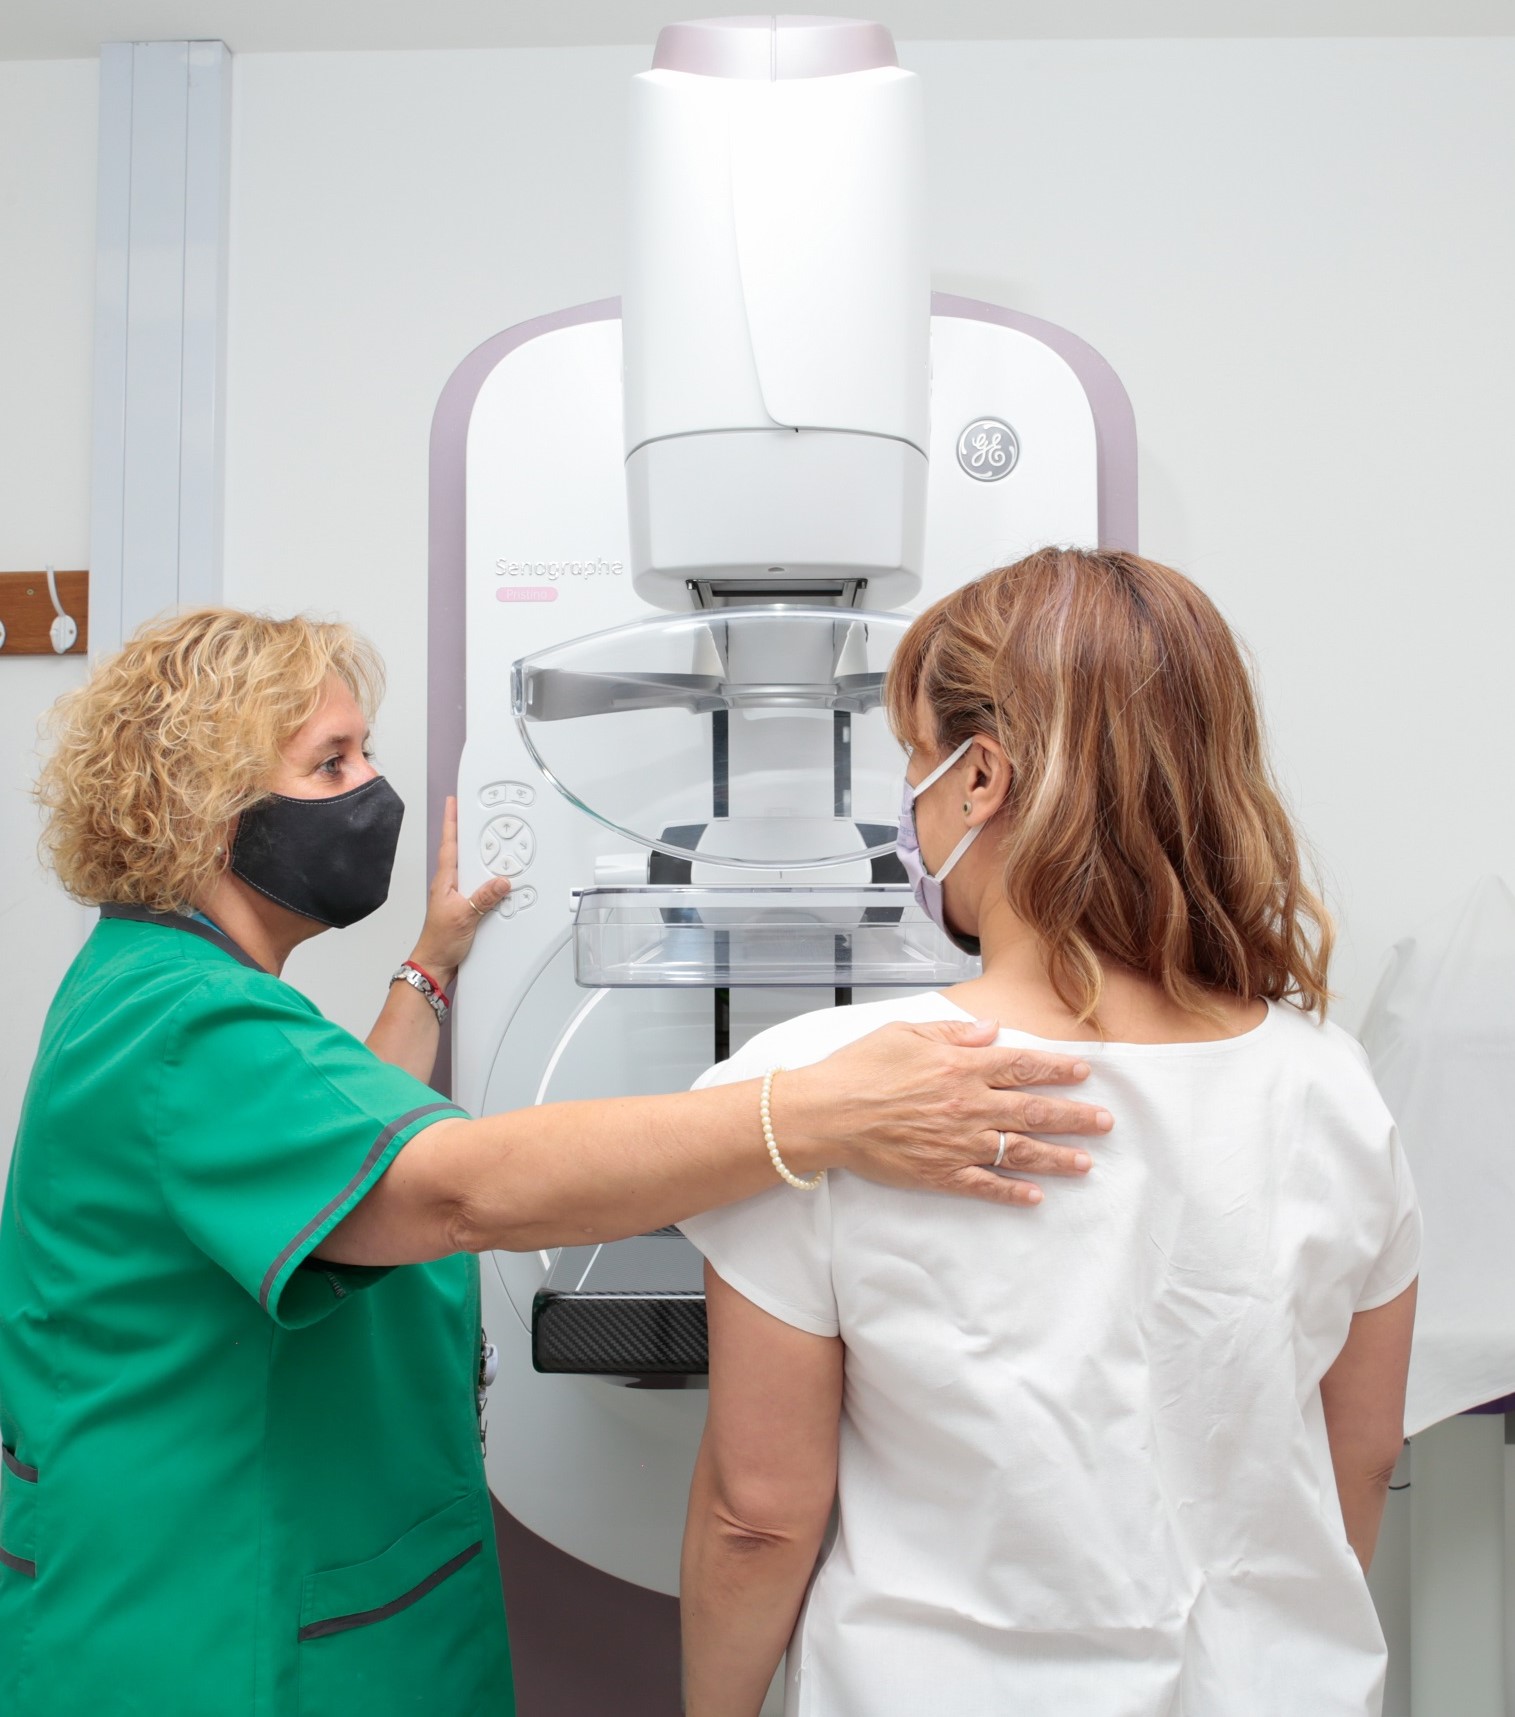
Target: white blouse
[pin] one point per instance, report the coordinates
(1083, 1462)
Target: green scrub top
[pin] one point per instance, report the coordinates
(235, 1479)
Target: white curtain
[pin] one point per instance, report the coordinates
(1440, 1032)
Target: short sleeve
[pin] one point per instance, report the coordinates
(272, 1124)
(774, 1249)
(1399, 1261)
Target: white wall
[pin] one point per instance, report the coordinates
(1300, 258)
(47, 283)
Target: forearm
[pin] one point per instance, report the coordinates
(887, 1107)
(741, 1594)
(907, 1106)
(1363, 1399)
(577, 1173)
(1362, 1504)
(407, 1032)
(569, 1174)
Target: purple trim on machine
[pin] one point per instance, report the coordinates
(1505, 1404)
(773, 46)
(631, 1665)
(446, 651)
(1114, 420)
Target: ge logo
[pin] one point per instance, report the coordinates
(987, 449)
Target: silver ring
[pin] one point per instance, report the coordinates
(999, 1155)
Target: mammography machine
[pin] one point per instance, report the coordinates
(675, 538)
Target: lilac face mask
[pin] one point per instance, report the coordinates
(927, 888)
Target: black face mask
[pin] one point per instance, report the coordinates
(327, 859)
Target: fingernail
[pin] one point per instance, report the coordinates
(1080, 1069)
(1104, 1120)
(1034, 1196)
(1082, 1161)
(984, 1022)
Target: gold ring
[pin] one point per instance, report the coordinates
(479, 909)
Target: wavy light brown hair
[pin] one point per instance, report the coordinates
(171, 738)
(1143, 824)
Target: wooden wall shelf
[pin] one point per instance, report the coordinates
(27, 613)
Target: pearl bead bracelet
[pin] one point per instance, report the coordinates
(765, 1108)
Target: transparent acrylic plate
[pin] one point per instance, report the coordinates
(733, 738)
(791, 938)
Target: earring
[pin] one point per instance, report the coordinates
(966, 807)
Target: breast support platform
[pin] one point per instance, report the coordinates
(675, 540)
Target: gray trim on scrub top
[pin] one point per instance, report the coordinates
(175, 921)
(375, 1151)
(28, 1475)
(366, 1618)
(208, 933)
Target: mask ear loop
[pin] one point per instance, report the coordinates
(940, 770)
(958, 851)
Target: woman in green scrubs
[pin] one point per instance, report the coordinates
(239, 1317)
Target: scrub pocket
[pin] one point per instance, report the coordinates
(18, 1494)
(416, 1632)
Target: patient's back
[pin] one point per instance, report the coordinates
(1083, 1462)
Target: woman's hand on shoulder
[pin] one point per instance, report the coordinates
(924, 1105)
(452, 917)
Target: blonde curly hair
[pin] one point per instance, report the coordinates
(174, 736)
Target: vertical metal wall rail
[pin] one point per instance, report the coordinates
(160, 332)
(1457, 1568)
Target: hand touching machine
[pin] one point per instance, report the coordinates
(674, 540)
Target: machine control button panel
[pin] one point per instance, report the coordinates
(506, 793)
(507, 845)
(517, 901)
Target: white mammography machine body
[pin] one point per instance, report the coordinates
(674, 540)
